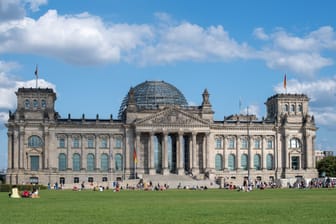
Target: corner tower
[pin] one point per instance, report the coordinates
(35, 104)
(295, 134)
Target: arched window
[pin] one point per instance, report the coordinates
(232, 162)
(269, 161)
(43, 104)
(76, 162)
(243, 161)
(27, 104)
(118, 162)
(292, 108)
(34, 141)
(300, 108)
(295, 143)
(35, 104)
(104, 162)
(257, 163)
(62, 162)
(218, 162)
(90, 162)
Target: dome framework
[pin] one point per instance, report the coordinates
(151, 94)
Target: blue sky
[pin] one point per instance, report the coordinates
(92, 52)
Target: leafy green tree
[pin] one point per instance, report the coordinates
(327, 166)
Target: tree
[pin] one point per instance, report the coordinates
(327, 166)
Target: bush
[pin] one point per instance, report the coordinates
(29, 187)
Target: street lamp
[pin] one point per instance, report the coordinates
(248, 150)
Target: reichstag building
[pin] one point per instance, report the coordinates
(157, 133)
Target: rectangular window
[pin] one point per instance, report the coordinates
(295, 162)
(270, 144)
(103, 143)
(231, 143)
(76, 180)
(118, 143)
(90, 142)
(61, 143)
(244, 143)
(218, 143)
(34, 163)
(257, 143)
(75, 142)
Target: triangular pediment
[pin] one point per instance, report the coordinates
(34, 151)
(173, 117)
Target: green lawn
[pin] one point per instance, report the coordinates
(173, 206)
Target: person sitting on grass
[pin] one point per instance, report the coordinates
(25, 194)
(34, 193)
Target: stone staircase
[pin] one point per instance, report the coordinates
(173, 181)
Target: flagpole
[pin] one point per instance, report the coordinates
(36, 76)
(285, 83)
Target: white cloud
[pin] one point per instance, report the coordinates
(260, 34)
(302, 55)
(298, 63)
(322, 94)
(188, 41)
(11, 10)
(251, 109)
(9, 85)
(86, 40)
(35, 4)
(79, 39)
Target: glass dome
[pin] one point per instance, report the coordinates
(151, 94)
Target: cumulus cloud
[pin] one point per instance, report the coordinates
(8, 87)
(302, 55)
(11, 10)
(259, 33)
(34, 5)
(188, 41)
(86, 39)
(79, 39)
(322, 94)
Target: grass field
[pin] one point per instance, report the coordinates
(173, 206)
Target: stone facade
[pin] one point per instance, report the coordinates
(162, 140)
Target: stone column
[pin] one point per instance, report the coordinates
(83, 155)
(16, 150)
(286, 157)
(151, 154)
(140, 154)
(263, 152)
(179, 159)
(97, 153)
(195, 166)
(21, 149)
(68, 151)
(311, 153)
(45, 152)
(190, 166)
(207, 154)
(250, 153)
(238, 154)
(165, 169)
(10, 149)
(111, 156)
